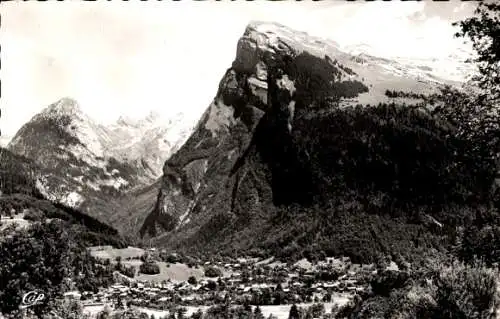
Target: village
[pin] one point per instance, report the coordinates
(240, 281)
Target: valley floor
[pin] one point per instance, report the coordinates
(272, 285)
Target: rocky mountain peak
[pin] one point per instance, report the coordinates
(63, 107)
(266, 39)
(153, 118)
(126, 121)
(260, 88)
(84, 161)
(280, 79)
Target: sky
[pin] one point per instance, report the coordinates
(129, 58)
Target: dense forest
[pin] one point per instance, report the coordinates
(365, 181)
(50, 254)
(464, 283)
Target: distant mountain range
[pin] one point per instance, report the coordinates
(86, 163)
(250, 172)
(452, 68)
(218, 183)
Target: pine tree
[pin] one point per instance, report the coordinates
(257, 313)
(294, 312)
(484, 31)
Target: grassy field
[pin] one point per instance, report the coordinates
(174, 272)
(108, 252)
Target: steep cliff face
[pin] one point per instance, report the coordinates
(231, 161)
(221, 136)
(289, 157)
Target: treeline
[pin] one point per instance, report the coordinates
(317, 80)
(365, 182)
(344, 68)
(439, 290)
(411, 95)
(48, 257)
(17, 174)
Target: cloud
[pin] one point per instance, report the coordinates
(129, 58)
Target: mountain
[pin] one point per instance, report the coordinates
(282, 162)
(20, 195)
(149, 141)
(44, 241)
(87, 165)
(450, 69)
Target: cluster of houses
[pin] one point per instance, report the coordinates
(246, 281)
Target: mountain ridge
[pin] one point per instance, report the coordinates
(224, 149)
(87, 165)
(254, 167)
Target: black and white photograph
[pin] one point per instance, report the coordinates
(238, 159)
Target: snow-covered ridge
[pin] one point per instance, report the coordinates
(149, 140)
(152, 119)
(452, 67)
(275, 30)
(80, 155)
(272, 37)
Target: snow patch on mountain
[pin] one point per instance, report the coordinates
(144, 143)
(83, 153)
(74, 199)
(452, 67)
(116, 183)
(83, 162)
(68, 198)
